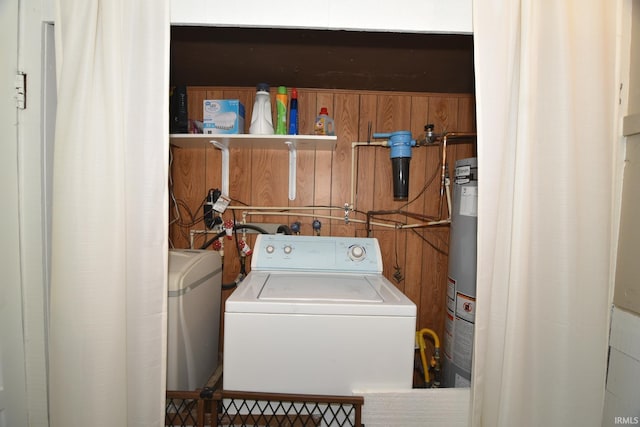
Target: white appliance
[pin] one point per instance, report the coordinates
(193, 314)
(316, 316)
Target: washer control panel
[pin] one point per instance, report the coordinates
(294, 252)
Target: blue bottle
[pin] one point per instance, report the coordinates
(293, 112)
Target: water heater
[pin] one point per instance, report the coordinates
(461, 281)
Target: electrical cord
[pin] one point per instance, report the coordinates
(243, 272)
(284, 229)
(243, 264)
(430, 243)
(425, 187)
(209, 242)
(234, 284)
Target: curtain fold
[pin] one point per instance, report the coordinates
(545, 93)
(107, 354)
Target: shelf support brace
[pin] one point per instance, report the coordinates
(293, 156)
(224, 148)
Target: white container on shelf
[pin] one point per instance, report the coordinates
(261, 117)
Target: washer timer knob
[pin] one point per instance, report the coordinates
(357, 252)
(287, 249)
(270, 249)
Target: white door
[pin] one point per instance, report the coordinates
(13, 412)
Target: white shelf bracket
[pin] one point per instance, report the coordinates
(224, 148)
(293, 155)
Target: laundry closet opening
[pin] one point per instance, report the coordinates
(369, 82)
(323, 59)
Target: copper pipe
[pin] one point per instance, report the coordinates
(454, 136)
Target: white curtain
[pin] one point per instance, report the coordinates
(546, 96)
(109, 232)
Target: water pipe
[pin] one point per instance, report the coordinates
(443, 174)
(284, 208)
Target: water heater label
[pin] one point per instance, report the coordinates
(448, 333)
(469, 201)
(465, 307)
(451, 294)
(451, 305)
(463, 344)
(463, 171)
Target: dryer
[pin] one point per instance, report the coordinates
(316, 316)
(193, 317)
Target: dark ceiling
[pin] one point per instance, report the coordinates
(331, 59)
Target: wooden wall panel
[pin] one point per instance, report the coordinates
(415, 260)
(346, 119)
(366, 156)
(417, 177)
(188, 175)
(323, 169)
(306, 159)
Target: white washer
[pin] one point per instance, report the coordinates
(316, 316)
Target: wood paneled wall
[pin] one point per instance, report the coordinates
(259, 177)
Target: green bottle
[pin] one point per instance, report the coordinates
(281, 111)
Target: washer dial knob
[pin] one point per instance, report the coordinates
(287, 249)
(270, 249)
(357, 252)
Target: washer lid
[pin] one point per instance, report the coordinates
(299, 287)
(319, 293)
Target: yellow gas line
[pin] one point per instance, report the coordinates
(423, 357)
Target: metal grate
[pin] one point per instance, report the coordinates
(221, 408)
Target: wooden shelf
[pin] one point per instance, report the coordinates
(243, 140)
(290, 143)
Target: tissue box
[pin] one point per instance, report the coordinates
(223, 116)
